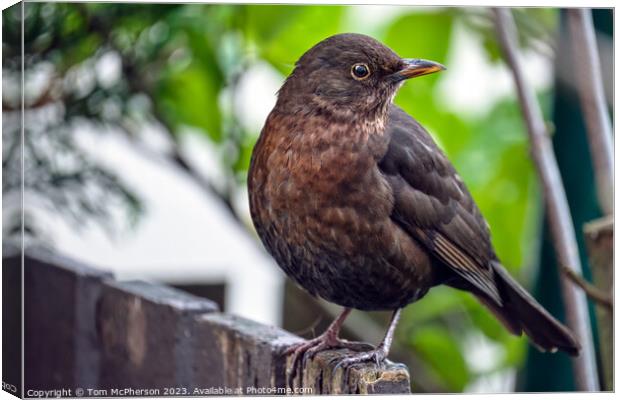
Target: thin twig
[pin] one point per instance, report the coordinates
(589, 79)
(591, 291)
(558, 213)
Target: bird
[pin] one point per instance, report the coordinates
(359, 206)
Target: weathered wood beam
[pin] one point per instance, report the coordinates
(599, 236)
(112, 338)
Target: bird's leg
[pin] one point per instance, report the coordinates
(328, 340)
(378, 355)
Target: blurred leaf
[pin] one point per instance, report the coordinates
(427, 35)
(491, 46)
(284, 33)
(500, 174)
(484, 320)
(535, 27)
(516, 348)
(72, 22)
(82, 49)
(242, 163)
(442, 301)
(422, 35)
(264, 23)
(189, 97)
(441, 352)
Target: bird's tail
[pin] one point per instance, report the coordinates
(522, 313)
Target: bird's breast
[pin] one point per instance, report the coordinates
(321, 176)
(322, 167)
(323, 209)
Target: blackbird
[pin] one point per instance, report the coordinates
(359, 206)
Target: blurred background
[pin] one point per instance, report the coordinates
(139, 124)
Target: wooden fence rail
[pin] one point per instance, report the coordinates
(87, 334)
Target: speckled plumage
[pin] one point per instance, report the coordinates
(359, 206)
(327, 231)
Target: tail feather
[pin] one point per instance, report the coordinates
(520, 312)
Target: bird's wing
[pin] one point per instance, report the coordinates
(433, 205)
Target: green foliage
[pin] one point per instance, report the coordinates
(498, 149)
(188, 60)
(435, 345)
(535, 26)
(424, 35)
(188, 97)
(283, 33)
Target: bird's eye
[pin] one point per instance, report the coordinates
(360, 71)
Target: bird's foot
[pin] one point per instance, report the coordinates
(378, 356)
(303, 351)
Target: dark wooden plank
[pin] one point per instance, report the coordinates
(147, 335)
(11, 320)
(60, 346)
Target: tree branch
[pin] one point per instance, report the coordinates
(591, 291)
(592, 95)
(558, 213)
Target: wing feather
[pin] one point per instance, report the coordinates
(433, 205)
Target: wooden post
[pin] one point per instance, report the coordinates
(363, 379)
(253, 360)
(599, 236)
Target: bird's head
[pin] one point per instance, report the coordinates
(349, 75)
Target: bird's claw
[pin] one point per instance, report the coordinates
(297, 362)
(303, 351)
(377, 355)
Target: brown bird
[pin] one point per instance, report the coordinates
(359, 206)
